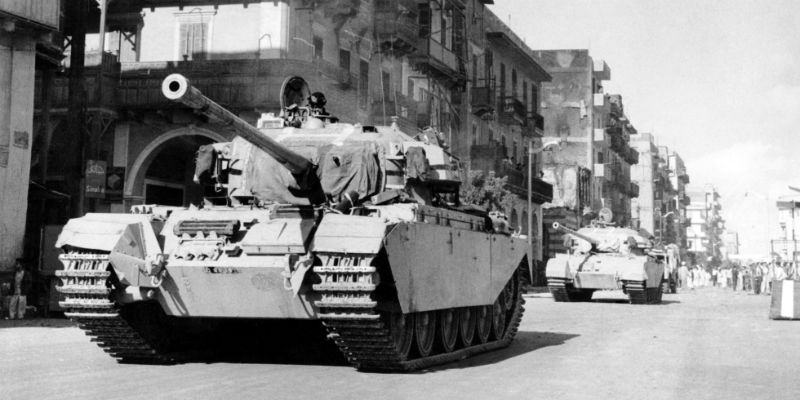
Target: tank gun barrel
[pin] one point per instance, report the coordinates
(177, 88)
(564, 229)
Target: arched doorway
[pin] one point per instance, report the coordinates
(162, 173)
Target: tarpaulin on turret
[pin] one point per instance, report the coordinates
(341, 169)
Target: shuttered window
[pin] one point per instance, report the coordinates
(193, 41)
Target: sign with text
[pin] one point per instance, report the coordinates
(96, 179)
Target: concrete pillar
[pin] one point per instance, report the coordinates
(17, 64)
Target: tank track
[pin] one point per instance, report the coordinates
(560, 288)
(86, 282)
(639, 293)
(361, 331)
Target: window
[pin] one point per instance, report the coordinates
(534, 98)
(514, 83)
(599, 157)
(411, 93)
(363, 83)
(318, 44)
(344, 59)
(525, 95)
(474, 134)
(193, 40)
(502, 80)
(488, 63)
(386, 85)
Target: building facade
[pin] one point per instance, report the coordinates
(786, 246)
(679, 178)
(589, 165)
(704, 235)
(27, 32)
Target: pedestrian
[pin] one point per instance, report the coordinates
(683, 275)
(758, 278)
(765, 280)
(19, 301)
(734, 277)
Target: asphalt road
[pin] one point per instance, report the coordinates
(704, 344)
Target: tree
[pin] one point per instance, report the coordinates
(488, 191)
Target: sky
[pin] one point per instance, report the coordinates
(718, 81)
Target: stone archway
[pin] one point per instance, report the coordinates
(134, 189)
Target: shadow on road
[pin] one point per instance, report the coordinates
(625, 301)
(36, 323)
(525, 342)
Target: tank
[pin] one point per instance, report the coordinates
(355, 227)
(605, 257)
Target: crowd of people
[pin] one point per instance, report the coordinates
(755, 277)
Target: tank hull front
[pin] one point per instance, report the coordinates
(604, 271)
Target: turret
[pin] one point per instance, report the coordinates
(572, 232)
(177, 88)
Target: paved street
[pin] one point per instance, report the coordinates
(704, 344)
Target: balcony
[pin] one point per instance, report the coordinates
(512, 111)
(401, 107)
(343, 77)
(396, 25)
(633, 190)
(40, 13)
(632, 156)
(432, 57)
(232, 83)
(491, 157)
(481, 100)
(536, 121)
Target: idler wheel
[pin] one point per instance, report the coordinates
(425, 329)
(448, 329)
(483, 325)
(499, 317)
(466, 325)
(401, 328)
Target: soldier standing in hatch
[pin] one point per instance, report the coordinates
(19, 301)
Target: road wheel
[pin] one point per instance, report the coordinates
(401, 328)
(466, 325)
(448, 329)
(425, 330)
(499, 317)
(483, 324)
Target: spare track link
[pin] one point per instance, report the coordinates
(349, 314)
(639, 293)
(85, 282)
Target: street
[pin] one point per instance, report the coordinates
(708, 343)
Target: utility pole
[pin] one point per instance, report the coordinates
(76, 117)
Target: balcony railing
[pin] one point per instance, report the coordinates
(232, 83)
(433, 57)
(536, 121)
(396, 25)
(512, 111)
(481, 100)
